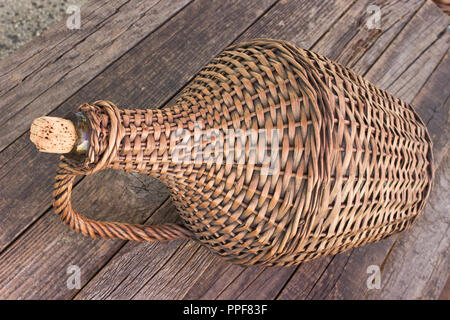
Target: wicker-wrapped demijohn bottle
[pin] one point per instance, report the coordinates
(273, 155)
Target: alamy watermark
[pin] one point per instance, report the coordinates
(374, 20)
(374, 279)
(259, 147)
(73, 22)
(74, 279)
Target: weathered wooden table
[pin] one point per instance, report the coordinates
(141, 54)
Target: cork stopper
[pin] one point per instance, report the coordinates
(53, 135)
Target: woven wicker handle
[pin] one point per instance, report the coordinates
(111, 230)
(57, 135)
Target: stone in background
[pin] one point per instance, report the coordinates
(22, 20)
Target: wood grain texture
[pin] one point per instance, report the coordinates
(403, 72)
(214, 280)
(356, 46)
(62, 65)
(19, 65)
(175, 279)
(35, 266)
(168, 55)
(304, 280)
(301, 22)
(432, 104)
(266, 285)
(136, 263)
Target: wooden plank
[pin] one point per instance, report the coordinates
(404, 72)
(266, 285)
(17, 65)
(214, 280)
(137, 262)
(170, 55)
(35, 266)
(241, 281)
(351, 282)
(177, 276)
(432, 104)
(328, 278)
(301, 22)
(356, 46)
(135, 273)
(63, 64)
(346, 43)
(301, 283)
(338, 282)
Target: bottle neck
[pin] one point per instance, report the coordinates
(83, 130)
(148, 141)
(157, 142)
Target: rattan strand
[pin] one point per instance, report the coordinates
(355, 163)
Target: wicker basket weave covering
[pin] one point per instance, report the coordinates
(314, 160)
